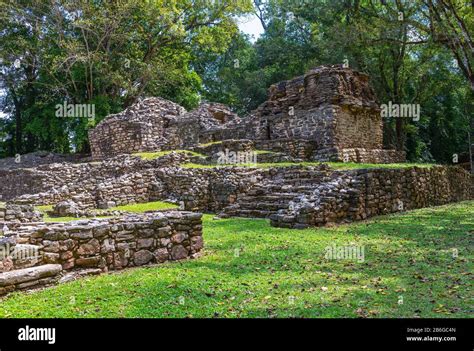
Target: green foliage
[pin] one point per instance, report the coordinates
(110, 54)
(104, 53)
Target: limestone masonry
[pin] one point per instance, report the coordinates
(51, 250)
(331, 107)
(330, 113)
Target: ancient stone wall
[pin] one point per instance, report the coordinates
(113, 244)
(141, 127)
(360, 155)
(124, 178)
(38, 158)
(118, 243)
(358, 127)
(17, 182)
(297, 148)
(29, 278)
(157, 124)
(359, 194)
(294, 149)
(332, 107)
(18, 213)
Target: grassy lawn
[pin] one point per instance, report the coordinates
(133, 208)
(46, 211)
(157, 154)
(144, 207)
(334, 165)
(250, 269)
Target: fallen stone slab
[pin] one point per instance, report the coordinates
(29, 274)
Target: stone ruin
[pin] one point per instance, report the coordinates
(328, 114)
(330, 109)
(42, 254)
(155, 124)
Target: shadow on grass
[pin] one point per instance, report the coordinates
(250, 269)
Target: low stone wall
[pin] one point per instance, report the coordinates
(94, 246)
(19, 213)
(214, 150)
(123, 179)
(118, 243)
(37, 158)
(359, 194)
(371, 156)
(359, 155)
(296, 148)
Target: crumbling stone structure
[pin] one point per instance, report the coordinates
(328, 114)
(348, 196)
(19, 213)
(330, 107)
(156, 124)
(100, 245)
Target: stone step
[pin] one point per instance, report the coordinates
(28, 278)
(268, 197)
(266, 206)
(250, 213)
(292, 180)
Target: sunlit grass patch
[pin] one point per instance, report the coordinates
(48, 217)
(335, 165)
(145, 207)
(250, 269)
(157, 154)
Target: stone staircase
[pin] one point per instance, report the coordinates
(274, 194)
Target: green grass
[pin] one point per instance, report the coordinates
(47, 209)
(144, 207)
(157, 154)
(134, 208)
(335, 165)
(283, 273)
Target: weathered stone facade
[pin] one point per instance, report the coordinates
(359, 194)
(156, 124)
(113, 244)
(123, 179)
(330, 107)
(19, 213)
